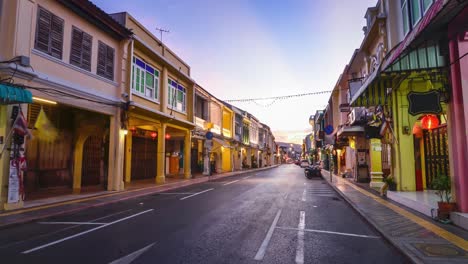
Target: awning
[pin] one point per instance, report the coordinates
(350, 131)
(10, 94)
(221, 142)
(372, 91)
(432, 27)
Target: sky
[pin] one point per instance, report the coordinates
(241, 49)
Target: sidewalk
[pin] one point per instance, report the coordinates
(73, 203)
(417, 236)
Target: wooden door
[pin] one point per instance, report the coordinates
(93, 155)
(144, 154)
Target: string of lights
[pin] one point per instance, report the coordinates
(283, 97)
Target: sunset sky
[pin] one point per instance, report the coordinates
(259, 48)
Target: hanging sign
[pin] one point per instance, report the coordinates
(424, 102)
(328, 129)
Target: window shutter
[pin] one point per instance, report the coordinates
(86, 56)
(49, 33)
(56, 37)
(80, 54)
(75, 53)
(43, 30)
(105, 67)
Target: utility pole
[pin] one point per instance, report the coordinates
(161, 31)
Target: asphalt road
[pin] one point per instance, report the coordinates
(273, 216)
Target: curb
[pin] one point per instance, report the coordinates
(373, 224)
(149, 191)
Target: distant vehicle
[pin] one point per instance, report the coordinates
(313, 170)
(297, 162)
(304, 163)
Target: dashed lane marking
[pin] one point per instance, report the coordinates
(300, 239)
(227, 183)
(261, 251)
(186, 197)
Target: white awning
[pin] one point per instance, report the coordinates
(221, 142)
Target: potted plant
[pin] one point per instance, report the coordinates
(391, 183)
(442, 185)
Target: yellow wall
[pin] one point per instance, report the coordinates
(227, 123)
(404, 164)
(226, 156)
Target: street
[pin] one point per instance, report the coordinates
(272, 216)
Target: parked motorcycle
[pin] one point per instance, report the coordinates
(313, 170)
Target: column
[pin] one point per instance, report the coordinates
(161, 155)
(128, 157)
(187, 152)
(116, 154)
(164, 93)
(376, 173)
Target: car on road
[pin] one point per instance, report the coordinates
(304, 163)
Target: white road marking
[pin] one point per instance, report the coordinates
(172, 193)
(261, 251)
(61, 230)
(300, 239)
(327, 232)
(131, 257)
(227, 183)
(84, 232)
(70, 223)
(304, 193)
(305, 183)
(286, 196)
(183, 198)
(247, 177)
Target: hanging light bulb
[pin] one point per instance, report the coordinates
(154, 135)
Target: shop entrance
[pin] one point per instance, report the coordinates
(436, 153)
(93, 163)
(144, 157)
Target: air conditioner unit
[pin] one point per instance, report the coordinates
(356, 115)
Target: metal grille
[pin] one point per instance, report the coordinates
(93, 155)
(144, 154)
(436, 153)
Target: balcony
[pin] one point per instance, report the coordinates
(200, 122)
(227, 132)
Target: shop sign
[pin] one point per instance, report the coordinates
(13, 183)
(424, 103)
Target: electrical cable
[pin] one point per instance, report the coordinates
(277, 97)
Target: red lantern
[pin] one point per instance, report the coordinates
(154, 135)
(133, 129)
(429, 122)
(168, 136)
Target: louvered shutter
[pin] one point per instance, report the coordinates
(105, 67)
(86, 55)
(56, 37)
(43, 30)
(80, 52)
(49, 33)
(75, 53)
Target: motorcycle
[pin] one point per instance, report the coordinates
(313, 170)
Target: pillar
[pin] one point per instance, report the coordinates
(187, 152)
(78, 163)
(458, 123)
(160, 159)
(376, 173)
(116, 154)
(128, 157)
(164, 92)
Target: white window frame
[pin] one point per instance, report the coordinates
(143, 72)
(173, 100)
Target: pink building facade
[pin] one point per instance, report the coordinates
(458, 108)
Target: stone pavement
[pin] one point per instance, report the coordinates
(419, 237)
(59, 205)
